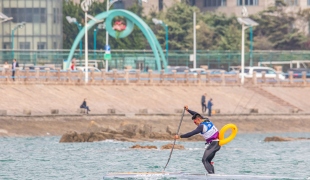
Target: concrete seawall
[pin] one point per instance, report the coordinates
(41, 99)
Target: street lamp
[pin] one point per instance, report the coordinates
(73, 20)
(107, 48)
(4, 18)
(245, 22)
(18, 26)
(160, 22)
(85, 7)
(100, 26)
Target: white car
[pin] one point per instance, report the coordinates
(89, 69)
(270, 73)
(196, 70)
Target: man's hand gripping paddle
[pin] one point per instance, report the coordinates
(175, 139)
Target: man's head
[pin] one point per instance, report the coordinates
(14, 60)
(197, 118)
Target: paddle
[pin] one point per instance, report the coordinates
(175, 139)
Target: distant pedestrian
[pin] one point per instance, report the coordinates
(73, 64)
(84, 105)
(210, 104)
(203, 103)
(146, 68)
(6, 65)
(14, 67)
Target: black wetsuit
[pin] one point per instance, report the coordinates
(213, 146)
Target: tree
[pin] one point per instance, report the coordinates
(278, 26)
(231, 39)
(179, 19)
(204, 36)
(70, 31)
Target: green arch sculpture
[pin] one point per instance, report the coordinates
(133, 18)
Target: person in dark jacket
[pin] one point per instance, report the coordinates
(84, 105)
(210, 133)
(14, 67)
(210, 104)
(203, 103)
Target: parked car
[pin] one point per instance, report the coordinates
(177, 68)
(41, 68)
(89, 69)
(216, 71)
(297, 72)
(270, 73)
(196, 70)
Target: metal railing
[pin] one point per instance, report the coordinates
(140, 59)
(67, 77)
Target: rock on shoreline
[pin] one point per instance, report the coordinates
(277, 138)
(125, 132)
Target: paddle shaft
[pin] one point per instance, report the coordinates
(175, 139)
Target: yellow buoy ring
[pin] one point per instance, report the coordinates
(233, 134)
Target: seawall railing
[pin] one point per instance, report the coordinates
(68, 77)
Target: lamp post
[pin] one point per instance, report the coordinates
(251, 46)
(245, 22)
(73, 20)
(85, 7)
(107, 48)
(100, 26)
(18, 26)
(194, 39)
(160, 22)
(4, 18)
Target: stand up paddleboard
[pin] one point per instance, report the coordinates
(183, 176)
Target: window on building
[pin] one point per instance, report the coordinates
(119, 5)
(24, 45)
(214, 3)
(55, 45)
(160, 5)
(248, 2)
(292, 2)
(192, 2)
(41, 45)
(6, 45)
(56, 15)
(36, 15)
(308, 2)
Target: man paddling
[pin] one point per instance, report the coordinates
(208, 131)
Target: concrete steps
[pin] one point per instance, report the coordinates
(274, 98)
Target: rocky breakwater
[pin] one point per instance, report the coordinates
(277, 138)
(125, 132)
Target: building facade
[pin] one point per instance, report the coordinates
(228, 7)
(234, 7)
(42, 29)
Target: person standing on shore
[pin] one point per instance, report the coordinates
(84, 105)
(203, 103)
(210, 133)
(210, 104)
(73, 64)
(6, 65)
(14, 66)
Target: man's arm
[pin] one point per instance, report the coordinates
(196, 131)
(191, 112)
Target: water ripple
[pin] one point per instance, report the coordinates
(45, 158)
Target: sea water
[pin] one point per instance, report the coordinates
(248, 154)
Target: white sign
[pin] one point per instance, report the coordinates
(191, 57)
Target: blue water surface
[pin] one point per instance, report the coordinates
(247, 154)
